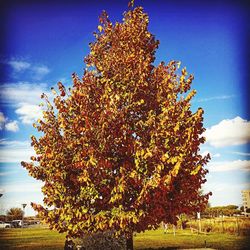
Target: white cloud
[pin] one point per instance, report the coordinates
(33, 70)
(23, 187)
(8, 173)
(229, 132)
(15, 151)
(13, 155)
(216, 155)
(15, 144)
(40, 71)
(19, 65)
(22, 92)
(241, 153)
(29, 113)
(242, 165)
(12, 126)
(9, 126)
(222, 97)
(2, 120)
(24, 97)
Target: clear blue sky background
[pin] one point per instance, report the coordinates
(45, 42)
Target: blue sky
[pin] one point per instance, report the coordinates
(46, 42)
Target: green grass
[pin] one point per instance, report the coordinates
(184, 239)
(31, 238)
(42, 238)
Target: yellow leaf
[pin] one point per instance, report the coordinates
(195, 171)
(137, 162)
(176, 128)
(184, 71)
(134, 219)
(167, 180)
(117, 97)
(132, 174)
(92, 160)
(176, 168)
(164, 157)
(100, 28)
(159, 167)
(182, 78)
(111, 222)
(148, 154)
(141, 102)
(84, 210)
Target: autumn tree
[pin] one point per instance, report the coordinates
(15, 213)
(119, 150)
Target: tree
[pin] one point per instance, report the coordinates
(3, 217)
(15, 213)
(119, 150)
(228, 210)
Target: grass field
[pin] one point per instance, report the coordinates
(42, 238)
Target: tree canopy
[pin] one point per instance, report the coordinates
(119, 150)
(228, 210)
(15, 213)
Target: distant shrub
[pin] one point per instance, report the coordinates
(230, 225)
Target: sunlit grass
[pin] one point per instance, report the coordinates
(186, 239)
(43, 238)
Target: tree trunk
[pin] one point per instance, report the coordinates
(129, 243)
(103, 240)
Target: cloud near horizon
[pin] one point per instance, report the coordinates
(15, 151)
(32, 186)
(221, 190)
(228, 133)
(223, 166)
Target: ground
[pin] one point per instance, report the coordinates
(43, 238)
